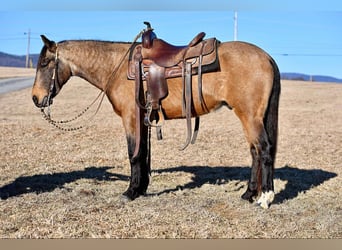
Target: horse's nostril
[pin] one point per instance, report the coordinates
(41, 104)
(35, 100)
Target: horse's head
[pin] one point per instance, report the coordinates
(52, 73)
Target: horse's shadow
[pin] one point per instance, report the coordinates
(298, 180)
(48, 182)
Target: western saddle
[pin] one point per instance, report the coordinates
(154, 61)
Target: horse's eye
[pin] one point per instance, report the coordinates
(45, 62)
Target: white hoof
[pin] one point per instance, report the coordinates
(266, 199)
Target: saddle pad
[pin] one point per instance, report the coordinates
(210, 62)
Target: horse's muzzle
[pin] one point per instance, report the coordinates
(43, 103)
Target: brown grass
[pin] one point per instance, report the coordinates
(56, 184)
(6, 72)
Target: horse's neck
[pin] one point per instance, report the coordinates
(93, 61)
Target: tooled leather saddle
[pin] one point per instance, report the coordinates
(154, 61)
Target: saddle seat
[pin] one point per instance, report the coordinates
(172, 58)
(168, 55)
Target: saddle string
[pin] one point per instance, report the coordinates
(56, 123)
(199, 81)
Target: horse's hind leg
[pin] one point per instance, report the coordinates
(252, 189)
(261, 179)
(267, 170)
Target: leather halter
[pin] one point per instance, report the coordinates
(54, 81)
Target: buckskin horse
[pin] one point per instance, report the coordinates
(247, 82)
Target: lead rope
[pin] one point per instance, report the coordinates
(55, 123)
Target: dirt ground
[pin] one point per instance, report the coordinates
(56, 184)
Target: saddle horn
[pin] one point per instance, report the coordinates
(148, 25)
(148, 36)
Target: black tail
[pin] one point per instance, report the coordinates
(271, 116)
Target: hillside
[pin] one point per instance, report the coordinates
(9, 60)
(313, 78)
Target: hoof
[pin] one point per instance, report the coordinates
(266, 199)
(124, 199)
(249, 195)
(131, 195)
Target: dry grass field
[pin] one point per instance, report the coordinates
(56, 184)
(6, 72)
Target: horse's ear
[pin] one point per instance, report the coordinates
(51, 45)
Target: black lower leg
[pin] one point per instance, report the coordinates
(140, 168)
(252, 189)
(267, 165)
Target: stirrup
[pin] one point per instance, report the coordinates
(154, 122)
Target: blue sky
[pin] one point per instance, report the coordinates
(300, 38)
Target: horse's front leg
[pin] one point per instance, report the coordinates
(140, 165)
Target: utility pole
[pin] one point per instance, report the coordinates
(235, 25)
(28, 47)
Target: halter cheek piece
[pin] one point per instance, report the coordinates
(54, 81)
